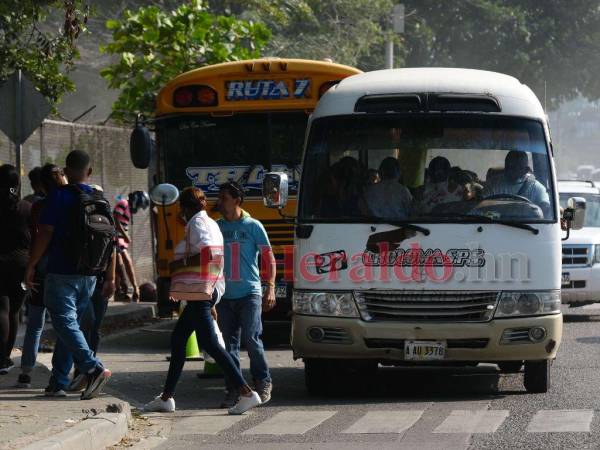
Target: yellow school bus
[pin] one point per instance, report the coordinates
(236, 121)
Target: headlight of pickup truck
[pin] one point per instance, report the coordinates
(514, 304)
(338, 304)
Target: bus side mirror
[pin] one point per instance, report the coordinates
(140, 147)
(275, 190)
(574, 213)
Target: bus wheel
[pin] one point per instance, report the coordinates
(537, 376)
(510, 366)
(163, 304)
(319, 376)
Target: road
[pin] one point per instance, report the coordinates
(468, 408)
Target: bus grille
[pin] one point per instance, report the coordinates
(427, 306)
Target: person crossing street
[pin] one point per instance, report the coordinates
(239, 312)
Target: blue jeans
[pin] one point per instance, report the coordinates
(33, 333)
(196, 317)
(240, 322)
(67, 297)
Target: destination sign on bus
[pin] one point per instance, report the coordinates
(267, 89)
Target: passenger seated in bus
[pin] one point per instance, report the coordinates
(517, 179)
(348, 178)
(466, 182)
(329, 201)
(437, 190)
(388, 199)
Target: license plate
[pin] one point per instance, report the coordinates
(565, 278)
(424, 350)
(281, 291)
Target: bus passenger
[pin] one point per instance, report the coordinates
(437, 190)
(388, 199)
(518, 180)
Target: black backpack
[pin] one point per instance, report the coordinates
(92, 238)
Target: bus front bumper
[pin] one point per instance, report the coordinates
(497, 340)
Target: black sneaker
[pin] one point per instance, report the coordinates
(6, 366)
(24, 381)
(52, 390)
(96, 381)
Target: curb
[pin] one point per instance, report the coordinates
(93, 433)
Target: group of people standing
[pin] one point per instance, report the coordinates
(37, 261)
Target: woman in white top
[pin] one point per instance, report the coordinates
(202, 292)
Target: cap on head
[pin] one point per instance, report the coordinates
(78, 160)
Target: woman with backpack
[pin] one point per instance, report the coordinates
(15, 240)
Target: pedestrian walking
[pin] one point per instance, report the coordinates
(199, 281)
(125, 269)
(239, 313)
(15, 238)
(51, 178)
(35, 179)
(78, 249)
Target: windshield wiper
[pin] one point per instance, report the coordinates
(396, 223)
(486, 219)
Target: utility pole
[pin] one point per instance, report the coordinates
(19, 121)
(397, 28)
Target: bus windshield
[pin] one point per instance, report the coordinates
(207, 151)
(426, 168)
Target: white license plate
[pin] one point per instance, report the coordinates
(424, 350)
(281, 291)
(565, 278)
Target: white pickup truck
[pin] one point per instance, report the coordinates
(581, 251)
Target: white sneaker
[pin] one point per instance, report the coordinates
(245, 403)
(160, 405)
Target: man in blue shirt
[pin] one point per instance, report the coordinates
(517, 180)
(239, 311)
(67, 293)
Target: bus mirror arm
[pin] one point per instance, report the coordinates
(573, 216)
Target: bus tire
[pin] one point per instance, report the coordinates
(318, 376)
(537, 376)
(510, 366)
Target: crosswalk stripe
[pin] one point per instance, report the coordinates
(468, 421)
(385, 422)
(207, 422)
(562, 420)
(291, 422)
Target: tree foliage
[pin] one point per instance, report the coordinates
(551, 45)
(27, 43)
(152, 46)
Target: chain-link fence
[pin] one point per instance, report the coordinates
(112, 169)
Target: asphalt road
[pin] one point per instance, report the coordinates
(468, 408)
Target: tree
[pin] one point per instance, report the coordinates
(152, 46)
(27, 44)
(551, 45)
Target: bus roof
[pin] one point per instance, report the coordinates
(255, 69)
(513, 97)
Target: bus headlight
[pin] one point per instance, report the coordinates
(514, 304)
(337, 304)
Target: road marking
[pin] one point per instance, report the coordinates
(466, 421)
(385, 422)
(561, 421)
(207, 422)
(291, 422)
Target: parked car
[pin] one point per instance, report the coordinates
(581, 251)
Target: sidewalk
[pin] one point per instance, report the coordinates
(30, 420)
